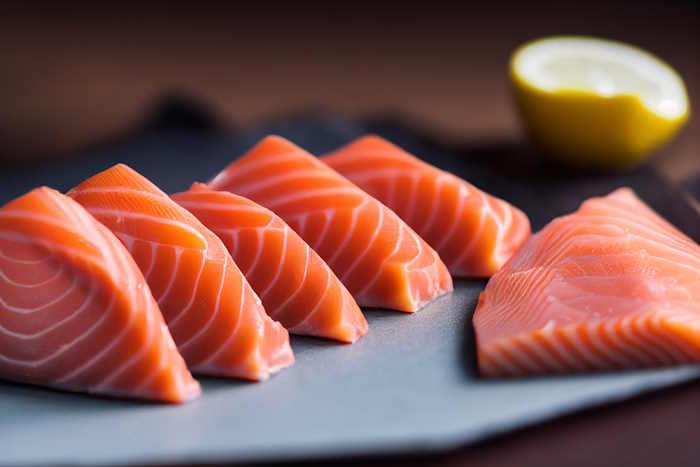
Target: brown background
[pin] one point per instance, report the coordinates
(80, 72)
(75, 74)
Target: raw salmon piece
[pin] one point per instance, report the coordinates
(216, 319)
(381, 260)
(75, 311)
(295, 285)
(612, 285)
(474, 232)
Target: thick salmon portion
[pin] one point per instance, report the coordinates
(472, 231)
(295, 285)
(215, 317)
(75, 311)
(380, 259)
(612, 285)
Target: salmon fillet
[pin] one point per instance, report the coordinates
(380, 259)
(474, 232)
(75, 311)
(215, 317)
(610, 286)
(295, 285)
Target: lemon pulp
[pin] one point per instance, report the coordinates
(594, 102)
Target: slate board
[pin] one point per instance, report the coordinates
(409, 386)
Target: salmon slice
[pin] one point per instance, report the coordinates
(474, 232)
(610, 286)
(215, 317)
(381, 260)
(75, 311)
(295, 285)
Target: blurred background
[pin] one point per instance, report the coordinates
(78, 73)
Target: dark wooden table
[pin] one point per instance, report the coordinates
(78, 74)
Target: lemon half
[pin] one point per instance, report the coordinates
(595, 102)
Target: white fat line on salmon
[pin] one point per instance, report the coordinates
(34, 285)
(283, 258)
(183, 311)
(232, 334)
(65, 347)
(299, 288)
(159, 220)
(217, 305)
(83, 306)
(348, 233)
(356, 261)
(325, 193)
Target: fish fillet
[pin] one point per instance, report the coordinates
(215, 317)
(610, 286)
(295, 285)
(75, 311)
(381, 260)
(473, 232)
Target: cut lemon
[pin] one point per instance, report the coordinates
(597, 103)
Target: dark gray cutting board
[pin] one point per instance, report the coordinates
(409, 386)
